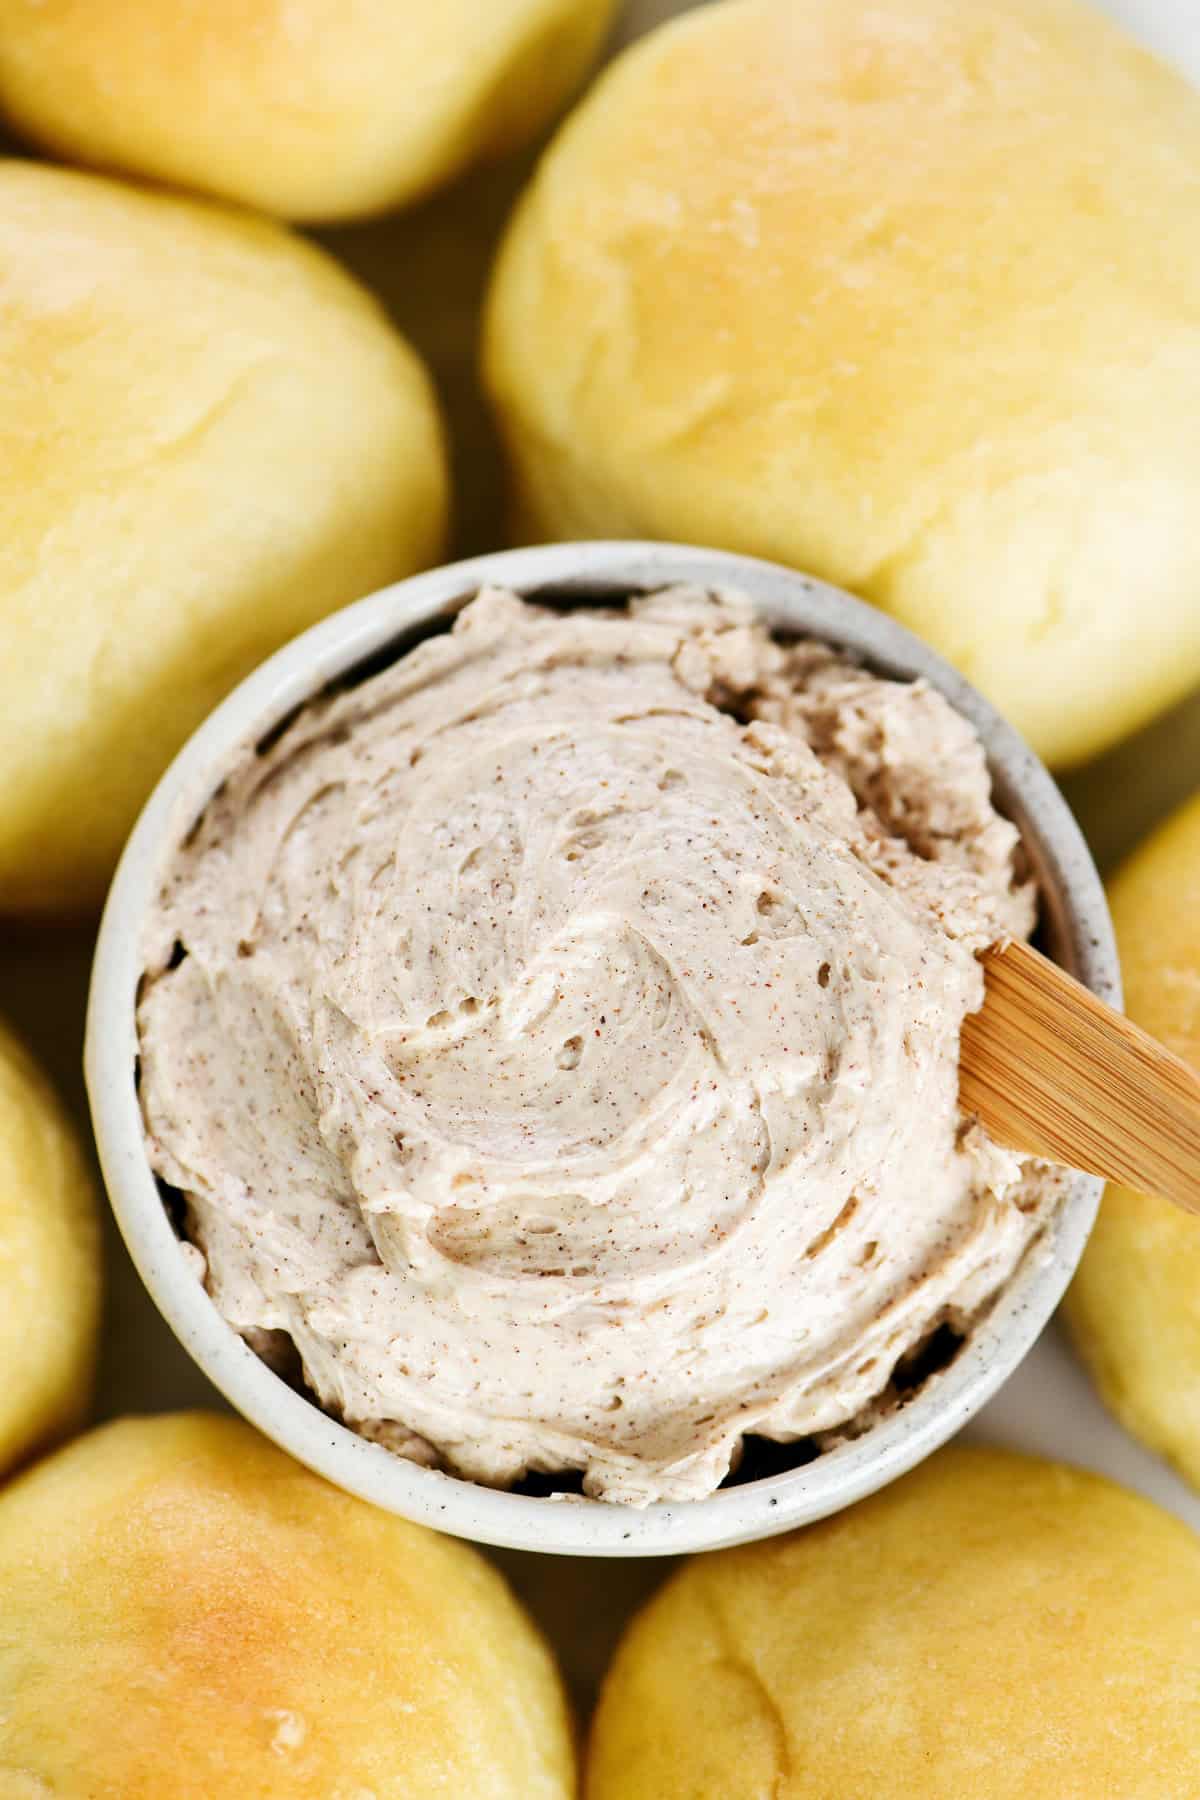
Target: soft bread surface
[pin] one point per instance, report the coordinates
(990, 1626)
(905, 293)
(320, 109)
(49, 1263)
(1133, 1306)
(211, 437)
(187, 1612)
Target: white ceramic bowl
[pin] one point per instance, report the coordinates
(1078, 933)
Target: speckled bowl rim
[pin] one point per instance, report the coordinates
(1077, 923)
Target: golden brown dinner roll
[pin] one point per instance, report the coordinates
(49, 1264)
(210, 437)
(990, 1628)
(320, 109)
(189, 1613)
(1134, 1306)
(902, 292)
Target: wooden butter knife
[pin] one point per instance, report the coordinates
(1048, 1068)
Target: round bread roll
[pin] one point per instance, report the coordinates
(318, 110)
(903, 293)
(210, 438)
(187, 1612)
(991, 1626)
(1134, 1306)
(49, 1264)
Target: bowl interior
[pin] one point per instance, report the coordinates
(347, 648)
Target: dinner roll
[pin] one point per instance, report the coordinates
(905, 293)
(320, 109)
(1134, 1306)
(187, 1612)
(49, 1264)
(210, 437)
(991, 1627)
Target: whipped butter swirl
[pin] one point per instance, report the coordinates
(555, 1037)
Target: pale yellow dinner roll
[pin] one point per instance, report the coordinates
(904, 293)
(317, 109)
(49, 1265)
(189, 1613)
(990, 1628)
(210, 437)
(1134, 1306)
